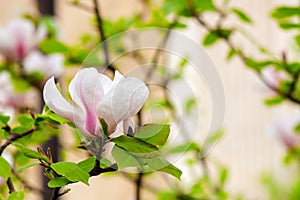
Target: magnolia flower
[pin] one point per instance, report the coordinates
(48, 65)
(96, 96)
(8, 157)
(283, 130)
(10, 99)
(274, 77)
(19, 37)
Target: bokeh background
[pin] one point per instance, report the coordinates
(246, 148)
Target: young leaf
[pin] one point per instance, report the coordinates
(4, 119)
(241, 15)
(284, 12)
(71, 171)
(30, 153)
(124, 158)
(21, 169)
(273, 101)
(136, 146)
(16, 196)
(58, 182)
(88, 164)
(155, 134)
(210, 39)
(25, 121)
(185, 147)
(53, 46)
(5, 168)
(160, 164)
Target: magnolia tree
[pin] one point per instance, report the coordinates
(107, 106)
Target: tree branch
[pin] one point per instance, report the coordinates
(13, 137)
(102, 36)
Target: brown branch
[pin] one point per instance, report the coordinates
(13, 137)
(244, 59)
(102, 35)
(10, 185)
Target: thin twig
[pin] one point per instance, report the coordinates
(13, 137)
(10, 185)
(102, 35)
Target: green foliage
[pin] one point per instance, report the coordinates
(142, 150)
(17, 196)
(71, 171)
(21, 169)
(88, 164)
(3, 119)
(284, 12)
(5, 168)
(210, 39)
(155, 134)
(273, 101)
(49, 46)
(30, 153)
(58, 182)
(136, 146)
(241, 15)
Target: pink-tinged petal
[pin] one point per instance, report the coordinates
(48, 65)
(41, 33)
(123, 101)
(56, 102)
(273, 77)
(22, 32)
(283, 130)
(86, 90)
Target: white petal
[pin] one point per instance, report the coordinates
(123, 101)
(56, 102)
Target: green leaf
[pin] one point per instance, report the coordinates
(16, 196)
(230, 54)
(257, 65)
(190, 104)
(185, 147)
(21, 169)
(136, 146)
(297, 128)
(155, 134)
(58, 182)
(284, 12)
(297, 40)
(287, 26)
(223, 176)
(273, 101)
(5, 168)
(4, 119)
(210, 39)
(53, 46)
(241, 15)
(204, 5)
(104, 163)
(25, 120)
(160, 164)
(124, 158)
(71, 171)
(30, 153)
(88, 164)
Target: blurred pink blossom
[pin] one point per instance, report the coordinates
(95, 95)
(273, 77)
(48, 65)
(283, 130)
(10, 99)
(19, 37)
